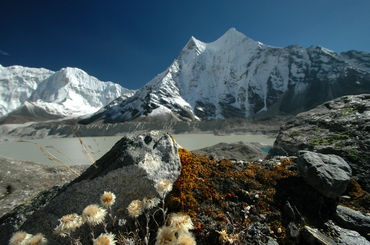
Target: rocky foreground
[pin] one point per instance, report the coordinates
(299, 194)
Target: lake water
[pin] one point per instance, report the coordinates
(70, 151)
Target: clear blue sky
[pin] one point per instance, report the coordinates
(129, 42)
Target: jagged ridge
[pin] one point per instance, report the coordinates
(236, 76)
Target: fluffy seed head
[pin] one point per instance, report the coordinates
(164, 186)
(150, 202)
(135, 208)
(37, 239)
(165, 236)
(224, 238)
(181, 223)
(105, 239)
(93, 214)
(67, 224)
(107, 199)
(186, 239)
(19, 238)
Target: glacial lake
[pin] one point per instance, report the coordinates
(70, 151)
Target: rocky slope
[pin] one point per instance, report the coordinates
(20, 180)
(340, 127)
(37, 94)
(236, 76)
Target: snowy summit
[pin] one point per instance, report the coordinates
(44, 94)
(236, 76)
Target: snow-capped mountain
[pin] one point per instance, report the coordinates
(43, 94)
(236, 76)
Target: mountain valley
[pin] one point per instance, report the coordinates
(233, 78)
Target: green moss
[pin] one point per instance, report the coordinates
(328, 141)
(294, 133)
(355, 154)
(345, 112)
(319, 141)
(338, 137)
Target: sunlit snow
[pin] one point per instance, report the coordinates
(68, 92)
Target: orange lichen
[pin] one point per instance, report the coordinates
(207, 180)
(355, 190)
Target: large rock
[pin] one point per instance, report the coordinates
(351, 219)
(238, 151)
(131, 170)
(328, 174)
(340, 127)
(344, 236)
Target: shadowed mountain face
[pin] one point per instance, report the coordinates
(235, 76)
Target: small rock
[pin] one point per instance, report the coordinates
(10, 189)
(289, 211)
(271, 241)
(346, 197)
(314, 237)
(328, 174)
(292, 230)
(351, 219)
(276, 151)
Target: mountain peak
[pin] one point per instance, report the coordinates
(234, 38)
(233, 34)
(233, 31)
(196, 42)
(193, 48)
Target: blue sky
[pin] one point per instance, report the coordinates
(129, 42)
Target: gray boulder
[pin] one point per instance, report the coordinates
(328, 174)
(351, 219)
(131, 170)
(238, 150)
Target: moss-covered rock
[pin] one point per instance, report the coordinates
(340, 126)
